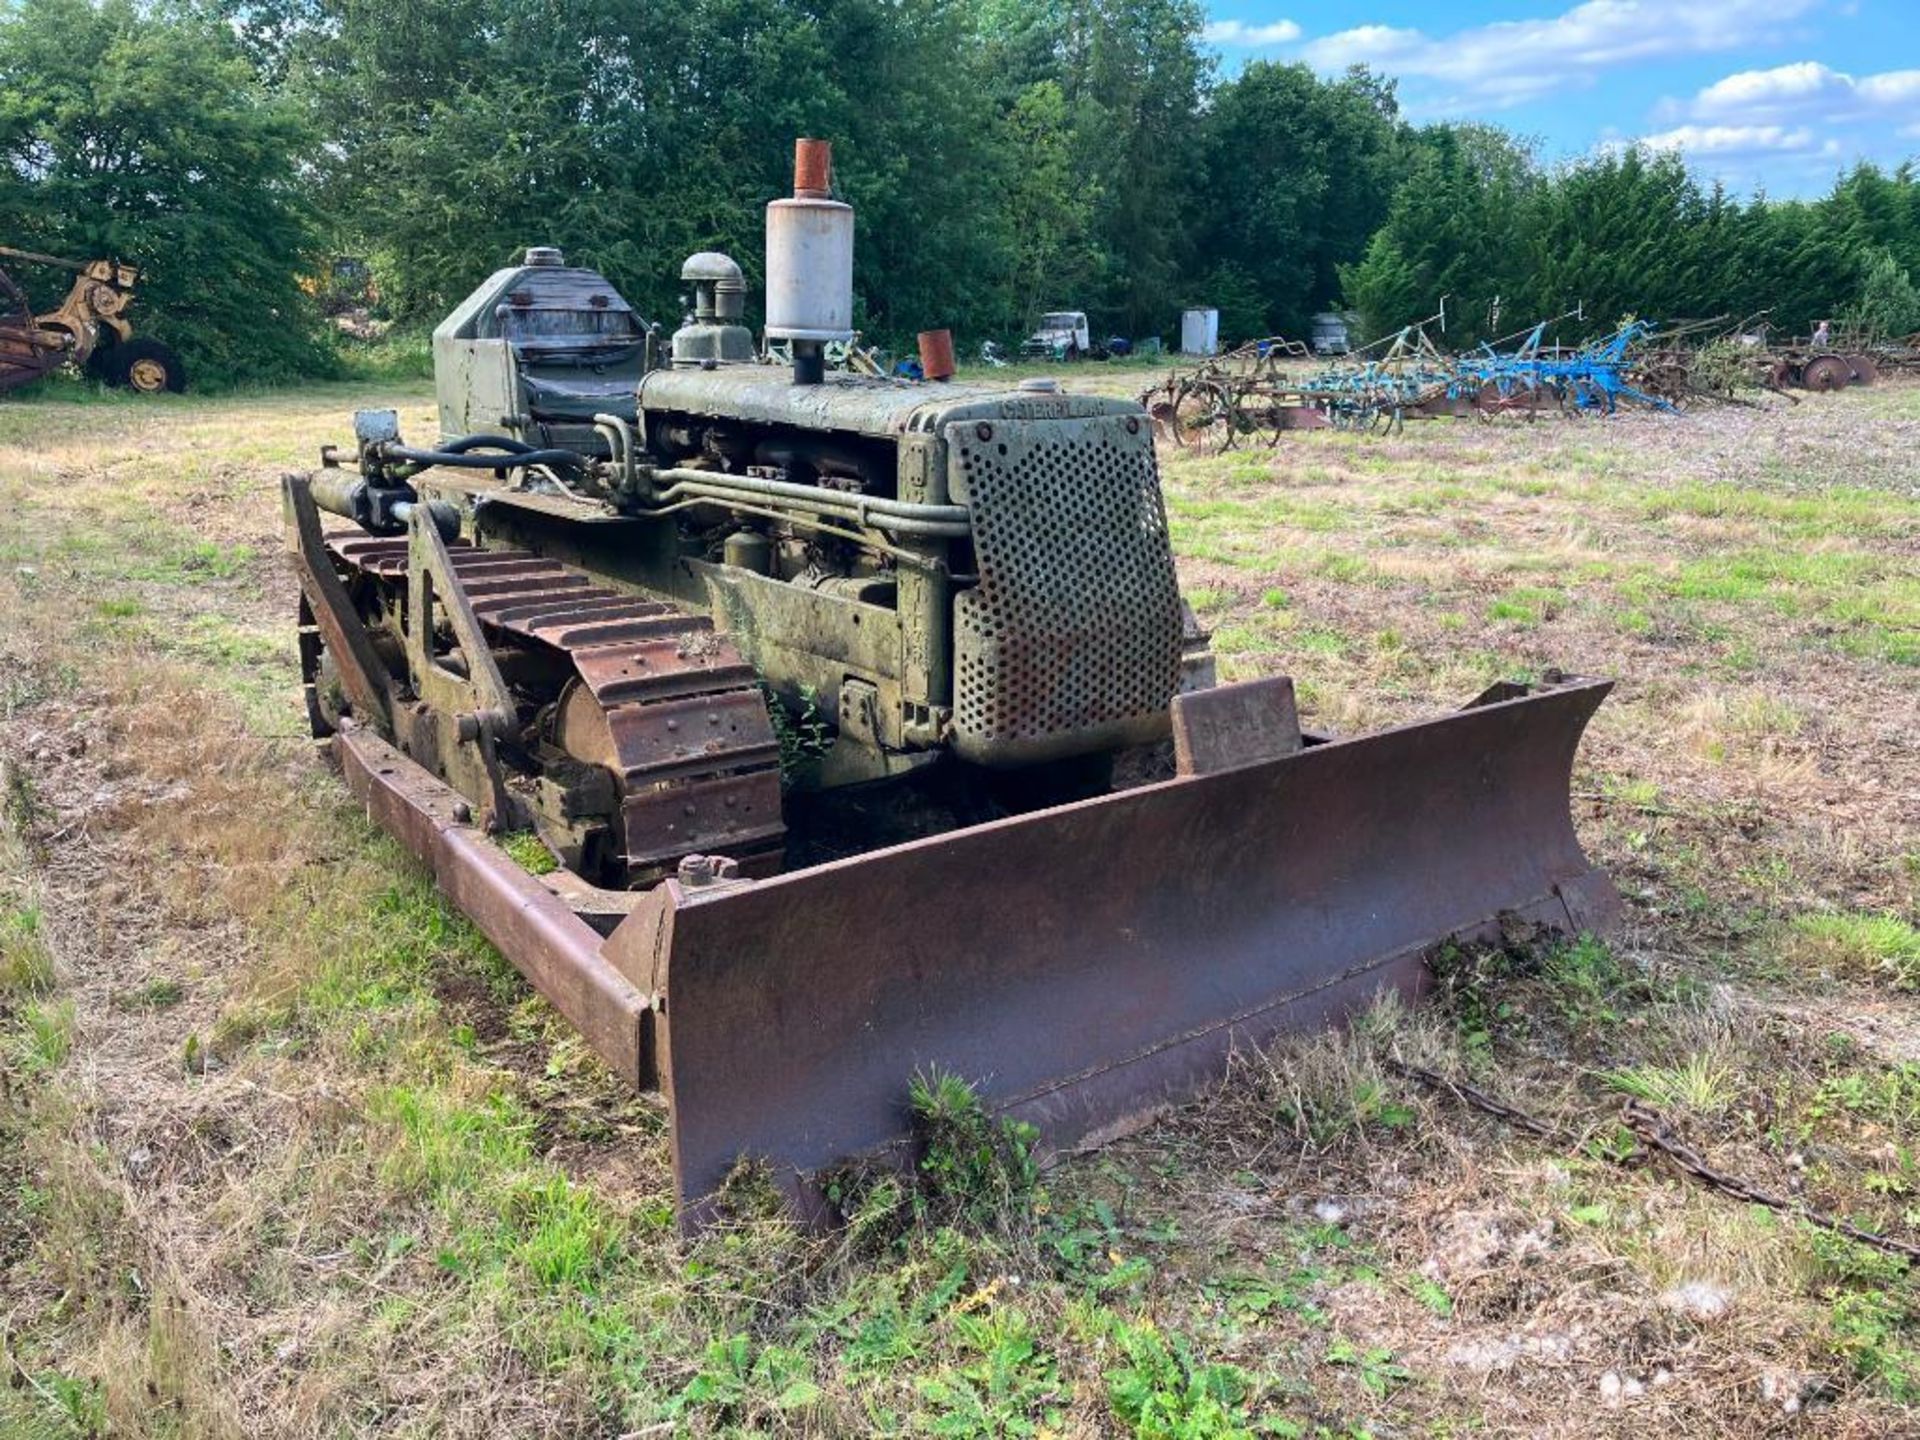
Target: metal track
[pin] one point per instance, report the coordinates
(660, 700)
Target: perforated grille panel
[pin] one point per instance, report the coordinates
(1074, 628)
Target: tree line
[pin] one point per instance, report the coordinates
(1006, 156)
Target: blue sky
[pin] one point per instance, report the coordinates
(1773, 94)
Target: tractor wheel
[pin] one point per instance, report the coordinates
(1826, 373)
(146, 366)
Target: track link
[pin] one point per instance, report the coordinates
(657, 698)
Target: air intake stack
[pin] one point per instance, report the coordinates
(810, 263)
(713, 334)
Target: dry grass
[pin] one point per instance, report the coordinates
(287, 1151)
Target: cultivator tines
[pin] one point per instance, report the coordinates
(1380, 387)
(1233, 398)
(1406, 376)
(1900, 356)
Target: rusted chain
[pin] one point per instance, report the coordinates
(1477, 1098)
(1654, 1134)
(1651, 1129)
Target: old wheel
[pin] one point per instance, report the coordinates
(146, 366)
(1159, 402)
(1203, 418)
(1826, 373)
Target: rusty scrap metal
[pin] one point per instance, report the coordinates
(27, 349)
(88, 329)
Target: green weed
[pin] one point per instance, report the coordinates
(529, 852)
(1589, 982)
(26, 965)
(1088, 1245)
(1869, 1330)
(1527, 605)
(1699, 1083)
(44, 1037)
(1319, 642)
(971, 1162)
(1240, 640)
(48, 1405)
(194, 560)
(1888, 1095)
(1373, 1365)
(1859, 943)
(802, 731)
(1162, 1390)
(440, 1145)
(158, 994)
(1359, 1102)
(733, 1375)
(1007, 1385)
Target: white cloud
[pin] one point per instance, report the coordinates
(1784, 85)
(1239, 33)
(1807, 90)
(1512, 61)
(1733, 139)
(1806, 111)
(1894, 87)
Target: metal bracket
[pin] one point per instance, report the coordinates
(1233, 726)
(478, 702)
(362, 674)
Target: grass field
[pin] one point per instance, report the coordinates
(285, 1150)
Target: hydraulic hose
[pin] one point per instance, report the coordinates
(474, 442)
(462, 460)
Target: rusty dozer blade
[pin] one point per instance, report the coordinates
(1084, 966)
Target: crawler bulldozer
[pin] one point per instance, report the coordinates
(865, 730)
(88, 329)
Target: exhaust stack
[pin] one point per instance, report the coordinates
(810, 263)
(936, 354)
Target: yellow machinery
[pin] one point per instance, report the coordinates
(88, 329)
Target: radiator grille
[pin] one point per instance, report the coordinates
(1074, 627)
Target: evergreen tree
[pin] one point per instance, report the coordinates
(1889, 303)
(1301, 172)
(1457, 230)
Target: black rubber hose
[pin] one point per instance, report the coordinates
(570, 459)
(473, 442)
